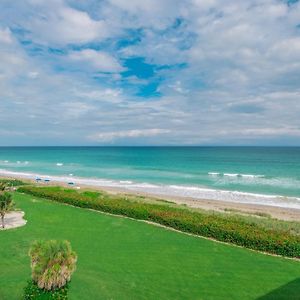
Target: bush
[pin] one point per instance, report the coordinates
(12, 182)
(6, 203)
(52, 263)
(33, 292)
(225, 229)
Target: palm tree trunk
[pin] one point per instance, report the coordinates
(2, 221)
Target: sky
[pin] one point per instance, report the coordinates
(151, 72)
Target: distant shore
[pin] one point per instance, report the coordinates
(281, 213)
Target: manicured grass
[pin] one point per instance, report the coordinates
(120, 258)
(219, 227)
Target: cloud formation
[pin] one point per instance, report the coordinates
(111, 136)
(169, 72)
(96, 60)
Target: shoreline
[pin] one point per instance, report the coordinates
(285, 214)
(276, 212)
(166, 190)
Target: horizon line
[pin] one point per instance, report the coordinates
(146, 146)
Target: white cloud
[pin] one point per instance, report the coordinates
(97, 60)
(5, 36)
(33, 74)
(73, 110)
(12, 58)
(105, 94)
(61, 25)
(154, 13)
(274, 131)
(239, 81)
(287, 49)
(135, 133)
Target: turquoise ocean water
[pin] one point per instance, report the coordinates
(267, 175)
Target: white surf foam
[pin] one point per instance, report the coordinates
(252, 176)
(231, 175)
(258, 180)
(236, 175)
(194, 192)
(18, 163)
(125, 181)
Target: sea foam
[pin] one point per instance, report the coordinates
(231, 175)
(194, 192)
(235, 175)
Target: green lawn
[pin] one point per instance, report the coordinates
(120, 258)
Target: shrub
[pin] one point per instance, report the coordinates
(33, 292)
(6, 203)
(52, 263)
(225, 229)
(12, 182)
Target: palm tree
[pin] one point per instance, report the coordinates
(6, 203)
(52, 263)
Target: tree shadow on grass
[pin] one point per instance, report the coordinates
(289, 291)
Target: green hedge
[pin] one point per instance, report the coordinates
(221, 228)
(13, 182)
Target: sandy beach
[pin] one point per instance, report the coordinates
(287, 214)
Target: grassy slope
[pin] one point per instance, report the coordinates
(127, 259)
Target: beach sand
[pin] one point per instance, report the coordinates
(14, 219)
(287, 214)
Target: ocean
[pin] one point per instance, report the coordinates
(260, 175)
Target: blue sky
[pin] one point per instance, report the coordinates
(151, 72)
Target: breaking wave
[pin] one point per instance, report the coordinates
(235, 175)
(194, 192)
